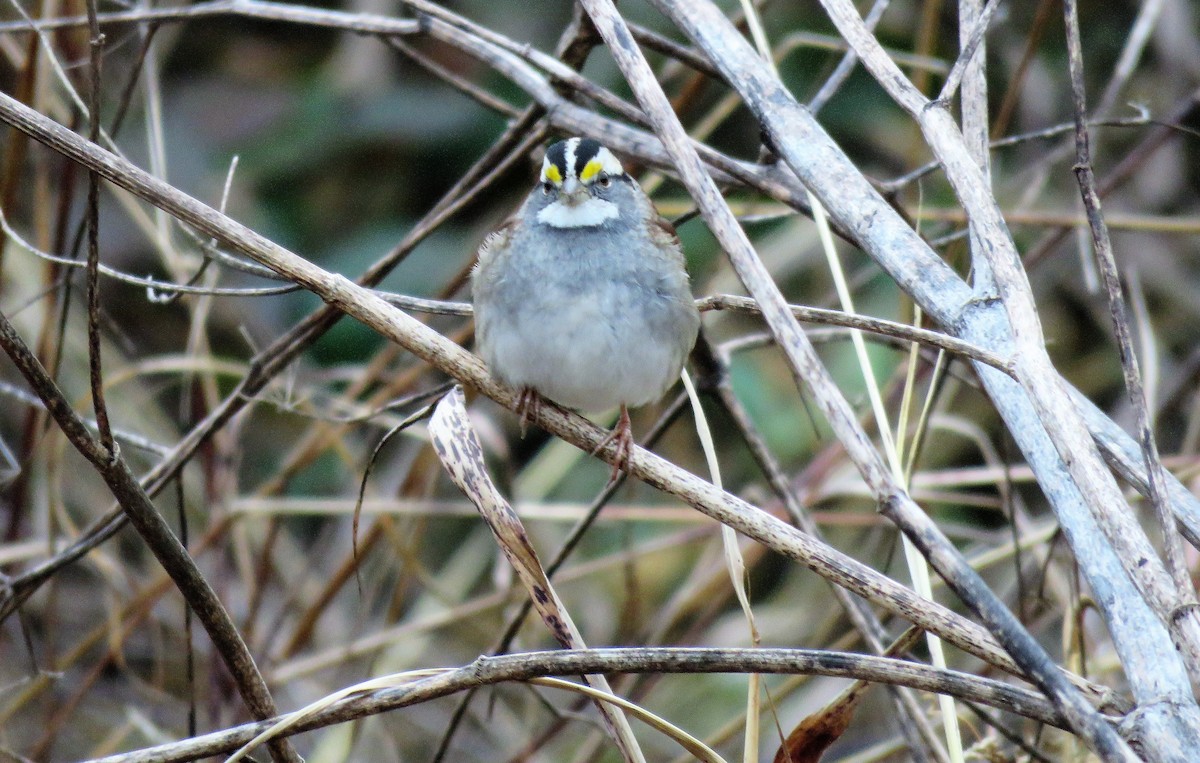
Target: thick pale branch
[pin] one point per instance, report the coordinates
(422, 341)
(1045, 391)
(1102, 245)
(794, 134)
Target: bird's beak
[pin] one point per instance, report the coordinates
(573, 193)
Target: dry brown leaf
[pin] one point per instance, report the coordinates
(814, 735)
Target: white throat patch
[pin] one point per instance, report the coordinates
(586, 215)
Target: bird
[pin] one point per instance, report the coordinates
(582, 296)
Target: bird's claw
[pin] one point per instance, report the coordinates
(529, 403)
(621, 438)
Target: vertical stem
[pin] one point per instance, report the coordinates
(96, 44)
(1173, 546)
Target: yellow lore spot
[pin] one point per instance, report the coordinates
(553, 175)
(591, 170)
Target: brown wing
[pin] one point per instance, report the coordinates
(663, 236)
(494, 242)
(662, 232)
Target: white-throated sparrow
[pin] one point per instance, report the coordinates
(582, 295)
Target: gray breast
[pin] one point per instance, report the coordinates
(590, 318)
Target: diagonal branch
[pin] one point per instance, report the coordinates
(96, 374)
(346, 296)
(1102, 244)
(273, 359)
(1059, 418)
(154, 531)
(712, 31)
(1146, 649)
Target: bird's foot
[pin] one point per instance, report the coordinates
(621, 438)
(529, 403)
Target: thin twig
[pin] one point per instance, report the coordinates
(522, 667)
(968, 50)
(787, 126)
(1045, 421)
(460, 83)
(343, 295)
(154, 530)
(1167, 128)
(96, 49)
(264, 367)
(259, 9)
(1107, 264)
(668, 47)
(730, 302)
(714, 376)
(895, 184)
(847, 63)
(153, 286)
(131, 439)
(864, 323)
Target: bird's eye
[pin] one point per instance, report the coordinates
(604, 181)
(547, 187)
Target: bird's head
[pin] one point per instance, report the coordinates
(579, 182)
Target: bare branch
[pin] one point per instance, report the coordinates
(490, 670)
(1102, 244)
(340, 293)
(154, 530)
